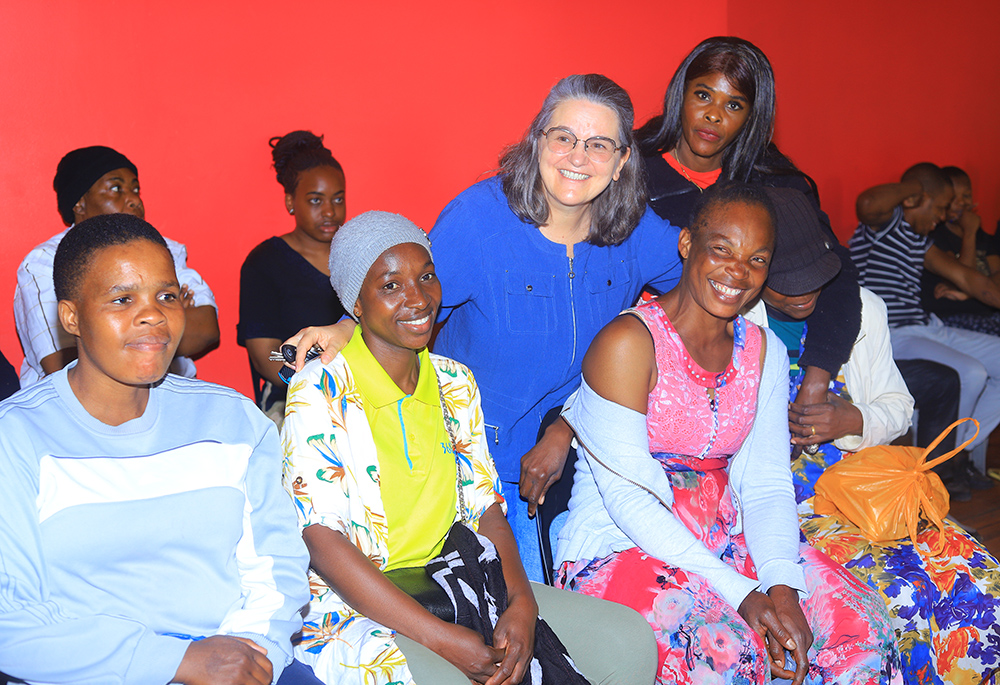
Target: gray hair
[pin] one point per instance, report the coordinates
(616, 211)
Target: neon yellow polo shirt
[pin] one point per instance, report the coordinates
(416, 465)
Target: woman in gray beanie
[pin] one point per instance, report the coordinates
(372, 442)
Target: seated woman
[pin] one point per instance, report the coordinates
(144, 533)
(285, 281)
(940, 606)
(682, 506)
(372, 443)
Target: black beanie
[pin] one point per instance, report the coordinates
(82, 168)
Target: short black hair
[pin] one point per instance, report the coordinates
(76, 249)
(730, 192)
(956, 174)
(931, 177)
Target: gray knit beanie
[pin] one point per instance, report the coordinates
(360, 242)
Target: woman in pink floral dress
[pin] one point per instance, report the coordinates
(683, 506)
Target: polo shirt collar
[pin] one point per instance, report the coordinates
(376, 385)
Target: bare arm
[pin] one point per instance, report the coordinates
(875, 205)
(620, 365)
(331, 339)
(362, 585)
(259, 351)
(993, 261)
(515, 629)
(967, 279)
(201, 331)
(969, 223)
(543, 464)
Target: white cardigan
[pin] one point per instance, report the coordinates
(871, 376)
(621, 495)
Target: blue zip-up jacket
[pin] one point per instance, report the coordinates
(521, 314)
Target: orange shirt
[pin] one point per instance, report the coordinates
(702, 179)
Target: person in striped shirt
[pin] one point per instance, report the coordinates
(891, 249)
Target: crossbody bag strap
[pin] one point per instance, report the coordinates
(448, 421)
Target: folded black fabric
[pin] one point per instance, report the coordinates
(415, 582)
(469, 571)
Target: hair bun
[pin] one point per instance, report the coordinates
(295, 152)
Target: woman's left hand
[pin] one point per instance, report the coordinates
(814, 424)
(786, 605)
(543, 464)
(515, 634)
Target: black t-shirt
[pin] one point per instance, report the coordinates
(281, 293)
(8, 378)
(947, 241)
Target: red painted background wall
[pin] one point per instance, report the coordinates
(417, 100)
(866, 89)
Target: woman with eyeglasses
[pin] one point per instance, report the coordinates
(533, 262)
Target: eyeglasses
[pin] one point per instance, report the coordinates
(562, 141)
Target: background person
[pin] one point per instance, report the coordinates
(130, 550)
(89, 182)
(285, 281)
(869, 405)
(891, 249)
(961, 235)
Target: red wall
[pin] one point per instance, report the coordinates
(866, 89)
(416, 100)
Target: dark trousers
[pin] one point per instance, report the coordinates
(297, 673)
(936, 390)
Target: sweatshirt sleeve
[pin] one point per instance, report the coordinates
(271, 558)
(42, 641)
(637, 494)
(761, 479)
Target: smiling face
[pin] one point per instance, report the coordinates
(398, 301)
(126, 314)
(572, 179)
(794, 306)
(712, 116)
(116, 192)
(930, 210)
(962, 200)
(726, 258)
(319, 203)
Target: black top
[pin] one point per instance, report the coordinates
(281, 293)
(8, 378)
(835, 324)
(947, 241)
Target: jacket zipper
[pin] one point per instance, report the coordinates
(496, 433)
(617, 473)
(572, 311)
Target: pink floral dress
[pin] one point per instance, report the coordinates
(693, 433)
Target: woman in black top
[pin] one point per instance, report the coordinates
(717, 121)
(285, 281)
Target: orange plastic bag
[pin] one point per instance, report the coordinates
(883, 490)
